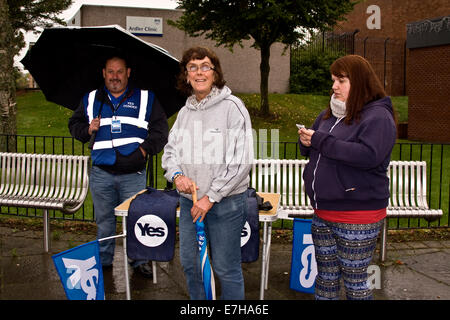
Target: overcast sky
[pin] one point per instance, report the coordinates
(69, 13)
(165, 4)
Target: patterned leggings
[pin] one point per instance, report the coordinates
(343, 250)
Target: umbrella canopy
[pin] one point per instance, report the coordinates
(207, 272)
(67, 63)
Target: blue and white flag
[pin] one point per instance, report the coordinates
(303, 263)
(80, 272)
(207, 272)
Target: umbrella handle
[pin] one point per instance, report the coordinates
(92, 140)
(194, 195)
(94, 133)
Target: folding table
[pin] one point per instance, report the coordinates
(266, 217)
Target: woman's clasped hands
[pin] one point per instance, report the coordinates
(202, 206)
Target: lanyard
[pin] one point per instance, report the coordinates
(116, 106)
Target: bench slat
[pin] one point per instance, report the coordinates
(43, 181)
(407, 187)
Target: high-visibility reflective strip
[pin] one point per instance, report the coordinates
(140, 122)
(90, 107)
(143, 106)
(127, 120)
(115, 142)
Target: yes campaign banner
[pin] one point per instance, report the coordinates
(80, 272)
(250, 231)
(151, 225)
(303, 264)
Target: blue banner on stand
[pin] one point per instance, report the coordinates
(250, 232)
(151, 225)
(80, 272)
(303, 264)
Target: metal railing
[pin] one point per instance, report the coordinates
(437, 157)
(387, 56)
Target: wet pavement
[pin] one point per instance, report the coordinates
(413, 270)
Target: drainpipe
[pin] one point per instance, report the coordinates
(353, 42)
(365, 39)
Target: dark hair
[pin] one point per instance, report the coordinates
(116, 54)
(364, 84)
(198, 53)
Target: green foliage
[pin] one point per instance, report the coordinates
(38, 116)
(289, 109)
(312, 72)
(17, 16)
(266, 22)
(28, 15)
(20, 78)
(401, 107)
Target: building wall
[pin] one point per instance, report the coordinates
(394, 15)
(388, 60)
(384, 47)
(428, 91)
(241, 67)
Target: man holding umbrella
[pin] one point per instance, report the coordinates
(127, 124)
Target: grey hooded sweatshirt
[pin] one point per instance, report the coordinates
(211, 142)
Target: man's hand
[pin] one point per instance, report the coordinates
(94, 125)
(144, 153)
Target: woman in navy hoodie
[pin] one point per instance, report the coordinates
(349, 148)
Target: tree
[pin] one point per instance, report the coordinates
(16, 17)
(264, 21)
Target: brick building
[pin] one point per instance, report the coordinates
(381, 35)
(420, 71)
(388, 18)
(428, 42)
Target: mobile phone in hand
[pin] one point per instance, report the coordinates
(299, 126)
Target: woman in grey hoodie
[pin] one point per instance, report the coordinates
(210, 144)
(349, 148)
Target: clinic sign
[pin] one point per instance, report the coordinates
(145, 26)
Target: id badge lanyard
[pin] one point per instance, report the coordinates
(116, 126)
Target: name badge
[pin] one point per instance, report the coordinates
(116, 127)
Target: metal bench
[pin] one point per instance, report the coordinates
(407, 187)
(43, 181)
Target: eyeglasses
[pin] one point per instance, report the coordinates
(203, 68)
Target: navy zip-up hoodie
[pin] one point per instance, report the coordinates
(348, 163)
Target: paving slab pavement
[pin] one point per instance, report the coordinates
(414, 270)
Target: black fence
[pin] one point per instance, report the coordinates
(437, 157)
(387, 56)
(335, 43)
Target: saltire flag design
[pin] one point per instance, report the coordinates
(80, 272)
(207, 273)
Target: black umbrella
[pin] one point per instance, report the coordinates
(67, 63)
